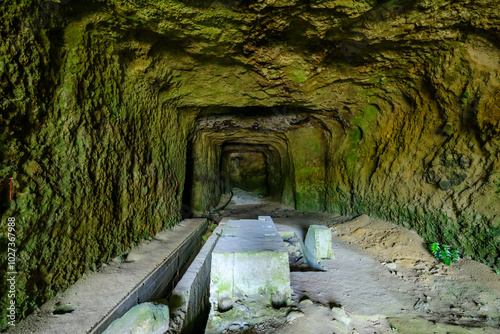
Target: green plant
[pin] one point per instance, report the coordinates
(394, 329)
(443, 252)
(498, 272)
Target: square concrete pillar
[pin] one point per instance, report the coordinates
(319, 242)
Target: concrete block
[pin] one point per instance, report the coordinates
(190, 297)
(319, 242)
(250, 261)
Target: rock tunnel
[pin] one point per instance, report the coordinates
(116, 115)
(277, 152)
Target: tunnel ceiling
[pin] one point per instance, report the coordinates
(318, 54)
(265, 120)
(326, 56)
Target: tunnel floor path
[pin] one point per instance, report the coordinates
(382, 280)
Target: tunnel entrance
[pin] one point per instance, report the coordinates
(279, 155)
(186, 209)
(246, 167)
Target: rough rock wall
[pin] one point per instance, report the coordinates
(247, 170)
(96, 151)
(434, 169)
(308, 150)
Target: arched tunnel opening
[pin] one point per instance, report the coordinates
(247, 167)
(277, 152)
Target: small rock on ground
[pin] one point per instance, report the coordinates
(145, 318)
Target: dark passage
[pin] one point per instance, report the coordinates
(246, 167)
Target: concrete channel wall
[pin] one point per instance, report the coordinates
(189, 301)
(160, 282)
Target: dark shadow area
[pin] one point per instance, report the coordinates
(186, 209)
(247, 168)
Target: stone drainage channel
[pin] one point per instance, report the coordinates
(240, 278)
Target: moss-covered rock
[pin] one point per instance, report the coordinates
(145, 318)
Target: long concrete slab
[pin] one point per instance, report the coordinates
(250, 261)
(152, 269)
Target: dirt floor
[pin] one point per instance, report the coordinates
(383, 279)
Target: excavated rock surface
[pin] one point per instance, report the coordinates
(385, 108)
